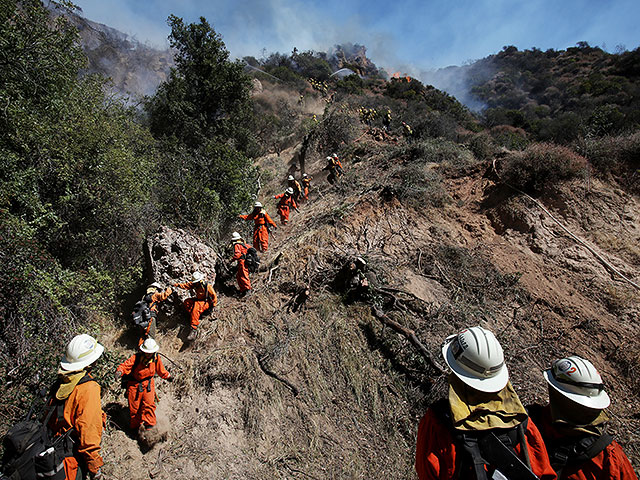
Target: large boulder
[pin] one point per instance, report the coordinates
(173, 255)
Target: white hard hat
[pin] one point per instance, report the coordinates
(329, 158)
(149, 346)
(334, 155)
(82, 351)
(235, 236)
(289, 190)
(475, 357)
(290, 177)
(197, 277)
(579, 381)
(154, 285)
(257, 205)
(305, 175)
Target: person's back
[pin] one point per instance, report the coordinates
(573, 425)
(481, 430)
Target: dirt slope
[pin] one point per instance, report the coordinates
(484, 258)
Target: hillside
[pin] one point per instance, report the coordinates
(461, 249)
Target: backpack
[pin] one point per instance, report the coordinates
(142, 314)
(30, 450)
(570, 451)
(251, 259)
(493, 448)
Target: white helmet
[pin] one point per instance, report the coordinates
(334, 155)
(475, 357)
(149, 346)
(235, 236)
(82, 351)
(257, 205)
(153, 287)
(197, 277)
(304, 175)
(329, 159)
(579, 381)
(289, 190)
(290, 177)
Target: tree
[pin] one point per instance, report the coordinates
(206, 94)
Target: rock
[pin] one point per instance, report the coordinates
(173, 255)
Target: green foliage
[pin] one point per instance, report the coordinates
(351, 84)
(540, 166)
(510, 137)
(203, 189)
(309, 65)
(202, 113)
(403, 88)
(420, 186)
(206, 95)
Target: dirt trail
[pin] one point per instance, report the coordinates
(362, 390)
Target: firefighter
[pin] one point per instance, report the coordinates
(79, 394)
(295, 185)
(482, 427)
(155, 295)
(335, 169)
(306, 186)
(573, 425)
(386, 120)
(407, 132)
(204, 299)
(239, 255)
(261, 230)
(286, 203)
(139, 371)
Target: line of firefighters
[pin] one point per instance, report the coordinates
(480, 430)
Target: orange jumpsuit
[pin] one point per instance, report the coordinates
(306, 185)
(262, 220)
(610, 464)
(242, 275)
(83, 412)
(141, 389)
(150, 331)
(285, 205)
(436, 451)
(197, 305)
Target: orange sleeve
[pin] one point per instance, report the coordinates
(537, 453)
(160, 370)
(269, 221)
(161, 296)
(435, 450)
(126, 366)
(243, 217)
(214, 297)
(280, 195)
(87, 420)
(185, 285)
(293, 203)
(618, 466)
(237, 252)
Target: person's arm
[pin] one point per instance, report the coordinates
(125, 367)
(269, 220)
(160, 370)
(243, 217)
(538, 455)
(237, 252)
(294, 204)
(161, 296)
(185, 285)
(280, 195)
(435, 450)
(214, 297)
(88, 421)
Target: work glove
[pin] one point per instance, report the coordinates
(169, 379)
(96, 476)
(169, 291)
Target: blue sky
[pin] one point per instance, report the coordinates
(411, 36)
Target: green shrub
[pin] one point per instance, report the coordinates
(510, 137)
(482, 146)
(619, 156)
(420, 186)
(541, 165)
